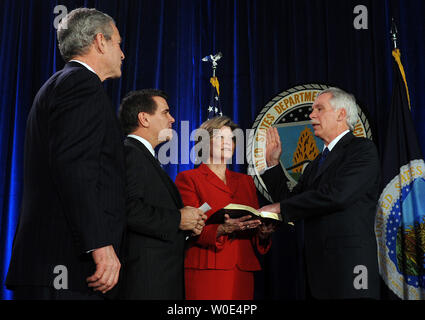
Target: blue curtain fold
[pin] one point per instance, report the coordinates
(268, 46)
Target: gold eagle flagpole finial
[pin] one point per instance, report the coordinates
(213, 59)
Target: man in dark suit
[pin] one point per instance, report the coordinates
(336, 197)
(157, 222)
(72, 217)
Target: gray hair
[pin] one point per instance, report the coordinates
(78, 29)
(344, 100)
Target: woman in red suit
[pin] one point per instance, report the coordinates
(219, 264)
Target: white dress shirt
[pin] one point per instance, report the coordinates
(145, 142)
(332, 144)
(84, 64)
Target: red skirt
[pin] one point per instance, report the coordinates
(208, 284)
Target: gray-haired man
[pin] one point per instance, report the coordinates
(72, 216)
(336, 197)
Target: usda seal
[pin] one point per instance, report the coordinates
(289, 113)
(400, 234)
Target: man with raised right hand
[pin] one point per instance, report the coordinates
(336, 197)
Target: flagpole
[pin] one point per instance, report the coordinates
(397, 56)
(214, 107)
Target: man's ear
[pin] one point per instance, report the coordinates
(99, 43)
(342, 114)
(144, 120)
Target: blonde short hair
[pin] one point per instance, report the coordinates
(214, 124)
(217, 123)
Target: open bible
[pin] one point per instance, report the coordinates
(236, 211)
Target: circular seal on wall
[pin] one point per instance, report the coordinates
(400, 232)
(289, 112)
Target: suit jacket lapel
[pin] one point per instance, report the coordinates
(232, 181)
(164, 176)
(312, 168)
(214, 180)
(333, 156)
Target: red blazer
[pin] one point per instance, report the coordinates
(207, 251)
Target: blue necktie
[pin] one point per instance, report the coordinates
(323, 156)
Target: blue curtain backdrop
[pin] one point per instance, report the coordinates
(268, 46)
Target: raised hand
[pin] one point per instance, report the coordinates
(273, 147)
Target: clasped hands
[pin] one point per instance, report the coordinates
(192, 219)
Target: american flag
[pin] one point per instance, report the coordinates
(214, 108)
